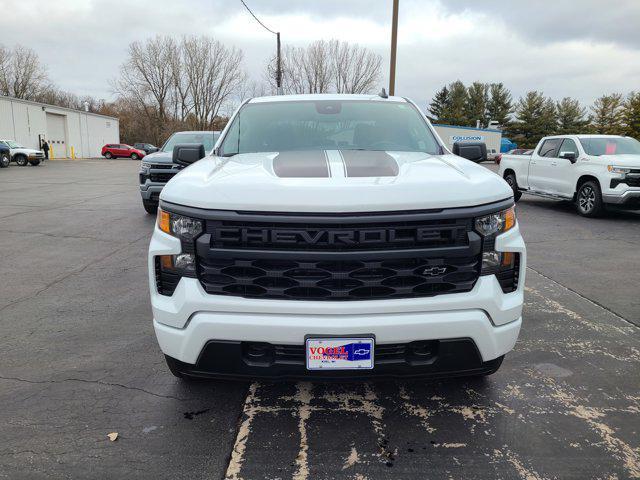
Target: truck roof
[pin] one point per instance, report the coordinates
(325, 96)
(583, 136)
(198, 131)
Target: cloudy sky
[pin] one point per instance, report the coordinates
(580, 48)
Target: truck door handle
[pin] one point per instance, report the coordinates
(554, 163)
(533, 162)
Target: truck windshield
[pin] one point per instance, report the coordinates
(328, 124)
(610, 146)
(205, 138)
(14, 144)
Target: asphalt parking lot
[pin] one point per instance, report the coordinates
(79, 360)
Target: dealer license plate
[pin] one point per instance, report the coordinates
(339, 353)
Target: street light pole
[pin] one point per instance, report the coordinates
(394, 45)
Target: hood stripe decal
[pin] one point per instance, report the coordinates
(361, 163)
(301, 164)
(334, 164)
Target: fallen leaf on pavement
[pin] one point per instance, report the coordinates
(113, 436)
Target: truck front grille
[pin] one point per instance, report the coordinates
(338, 257)
(161, 177)
(338, 279)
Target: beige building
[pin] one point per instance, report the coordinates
(68, 131)
(451, 134)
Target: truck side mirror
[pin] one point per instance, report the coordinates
(571, 156)
(187, 153)
(474, 151)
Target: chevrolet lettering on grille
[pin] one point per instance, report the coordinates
(337, 237)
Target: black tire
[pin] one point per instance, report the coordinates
(510, 178)
(134, 156)
(589, 199)
(150, 207)
(34, 162)
(108, 156)
(21, 160)
(4, 160)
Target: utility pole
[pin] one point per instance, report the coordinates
(279, 72)
(394, 45)
(278, 60)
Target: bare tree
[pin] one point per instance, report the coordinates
(21, 73)
(292, 66)
(214, 74)
(61, 98)
(147, 75)
(181, 93)
(327, 66)
(317, 67)
(355, 69)
(304, 69)
(5, 65)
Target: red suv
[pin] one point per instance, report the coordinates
(114, 150)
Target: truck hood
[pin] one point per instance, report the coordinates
(627, 160)
(27, 151)
(334, 181)
(159, 157)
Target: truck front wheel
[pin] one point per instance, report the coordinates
(150, 207)
(589, 199)
(21, 160)
(510, 178)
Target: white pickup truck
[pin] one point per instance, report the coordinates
(334, 236)
(591, 170)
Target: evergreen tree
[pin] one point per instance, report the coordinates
(631, 115)
(549, 118)
(439, 103)
(476, 107)
(499, 105)
(534, 117)
(571, 116)
(608, 114)
(454, 112)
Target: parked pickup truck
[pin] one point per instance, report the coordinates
(334, 236)
(158, 168)
(591, 170)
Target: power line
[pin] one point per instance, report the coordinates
(257, 19)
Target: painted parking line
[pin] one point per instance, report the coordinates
(565, 403)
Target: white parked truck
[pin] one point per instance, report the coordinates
(333, 236)
(591, 170)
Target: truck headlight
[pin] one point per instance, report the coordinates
(169, 268)
(180, 226)
(504, 265)
(620, 171)
(496, 223)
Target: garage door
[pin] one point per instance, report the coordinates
(57, 134)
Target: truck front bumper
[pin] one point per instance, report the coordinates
(206, 335)
(151, 191)
(627, 198)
